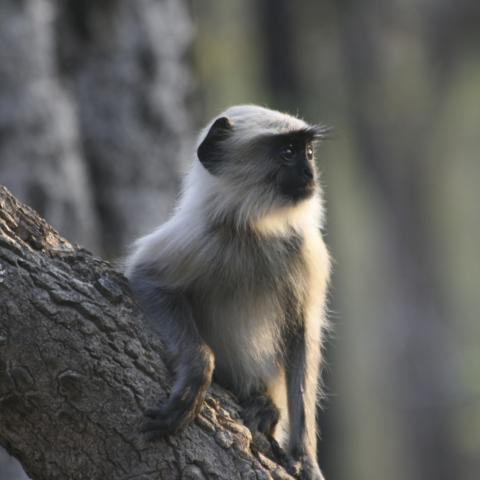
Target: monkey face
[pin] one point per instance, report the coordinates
(261, 159)
(293, 158)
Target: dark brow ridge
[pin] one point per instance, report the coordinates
(308, 134)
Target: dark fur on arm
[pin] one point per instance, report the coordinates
(169, 314)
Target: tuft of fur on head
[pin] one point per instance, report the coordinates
(233, 182)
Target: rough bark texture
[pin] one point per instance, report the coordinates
(77, 369)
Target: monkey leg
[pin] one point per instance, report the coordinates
(260, 413)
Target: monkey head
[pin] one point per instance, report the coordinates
(262, 158)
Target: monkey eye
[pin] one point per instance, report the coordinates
(309, 151)
(287, 152)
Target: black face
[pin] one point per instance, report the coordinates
(285, 161)
(296, 174)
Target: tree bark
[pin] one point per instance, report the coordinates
(40, 154)
(126, 69)
(78, 368)
(94, 124)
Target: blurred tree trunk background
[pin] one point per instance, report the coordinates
(95, 130)
(93, 117)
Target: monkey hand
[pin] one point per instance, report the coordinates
(185, 401)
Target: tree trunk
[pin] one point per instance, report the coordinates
(40, 157)
(94, 124)
(278, 37)
(125, 64)
(78, 368)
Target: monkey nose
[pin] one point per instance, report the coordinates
(307, 173)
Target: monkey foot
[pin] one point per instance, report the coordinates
(306, 468)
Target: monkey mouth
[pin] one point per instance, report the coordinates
(307, 192)
(302, 192)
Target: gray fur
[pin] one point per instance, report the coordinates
(238, 277)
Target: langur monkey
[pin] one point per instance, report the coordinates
(235, 281)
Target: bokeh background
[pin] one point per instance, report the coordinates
(100, 102)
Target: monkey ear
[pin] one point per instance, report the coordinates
(209, 151)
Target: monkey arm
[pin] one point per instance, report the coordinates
(169, 314)
(302, 364)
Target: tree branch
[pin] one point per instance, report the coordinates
(77, 369)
